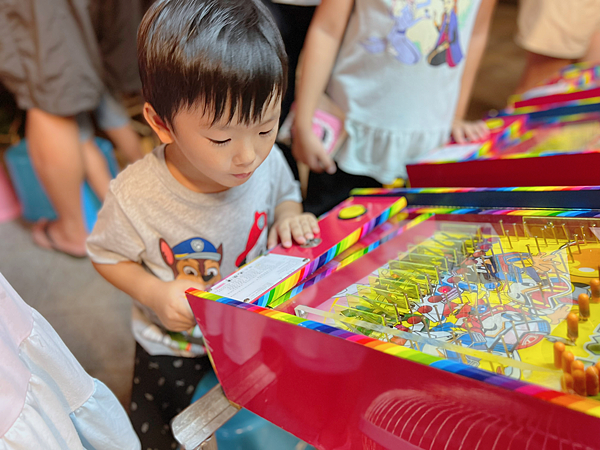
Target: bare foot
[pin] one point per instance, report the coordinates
(45, 234)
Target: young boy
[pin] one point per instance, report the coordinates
(200, 205)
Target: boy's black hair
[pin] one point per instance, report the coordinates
(212, 54)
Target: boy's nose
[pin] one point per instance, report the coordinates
(245, 156)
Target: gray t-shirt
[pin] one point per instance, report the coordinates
(149, 218)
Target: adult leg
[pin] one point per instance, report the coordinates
(593, 52)
(127, 141)
(55, 152)
(113, 119)
(96, 168)
(539, 68)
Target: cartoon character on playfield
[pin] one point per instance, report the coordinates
(195, 259)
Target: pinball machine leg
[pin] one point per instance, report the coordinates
(195, 426)
(209, 444)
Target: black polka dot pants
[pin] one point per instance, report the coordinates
(162, 387)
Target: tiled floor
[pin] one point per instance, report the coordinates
(92, 317)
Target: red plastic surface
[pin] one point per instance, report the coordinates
(576, 169)
(338, 229)
(558, 98)
(336, 394)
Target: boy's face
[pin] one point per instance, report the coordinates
(209, 157)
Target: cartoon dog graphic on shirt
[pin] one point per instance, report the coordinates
(195, 259)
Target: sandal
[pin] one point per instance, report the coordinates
(49, 243)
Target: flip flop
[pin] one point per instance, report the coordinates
(51, 245)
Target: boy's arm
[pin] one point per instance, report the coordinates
(460, 128)
(319, 53)
(166, 298)
(291, 222)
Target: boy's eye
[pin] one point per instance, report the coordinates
(219, 142)
(266, 133)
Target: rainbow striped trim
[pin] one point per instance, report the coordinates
(545, 97)
(567, 118)
(574, 402)
(345, 243)
(401, 191)
(573, 78)
(506, 212)
(348, 260)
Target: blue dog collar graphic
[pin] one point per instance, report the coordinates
(196, 248)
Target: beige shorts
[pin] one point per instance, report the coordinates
(558, 28)
(60, 55)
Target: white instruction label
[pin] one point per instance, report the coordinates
(258, 277)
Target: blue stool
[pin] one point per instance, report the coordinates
(34, 202)
(246, 430)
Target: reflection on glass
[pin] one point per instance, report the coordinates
(490, 295)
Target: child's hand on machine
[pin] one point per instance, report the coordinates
(308, 148)
(464, 131)
(300, 227)
(171, 306)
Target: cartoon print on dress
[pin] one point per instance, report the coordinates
(194, 259)
(447, 48)
(259, 225)
(404, 14)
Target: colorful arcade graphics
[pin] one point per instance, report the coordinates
(441, 337)
(543, 138)
(571, 78)
(490, 295)
(271, 276)
(574, 91)
(536, 154)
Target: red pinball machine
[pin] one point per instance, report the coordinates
(436, 326)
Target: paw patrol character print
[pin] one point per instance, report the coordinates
(195, 259)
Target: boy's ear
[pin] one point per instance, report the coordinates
(157, 124)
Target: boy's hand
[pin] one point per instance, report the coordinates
(308, 148)
(464, 131)
(171, 306)
(300, 227)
